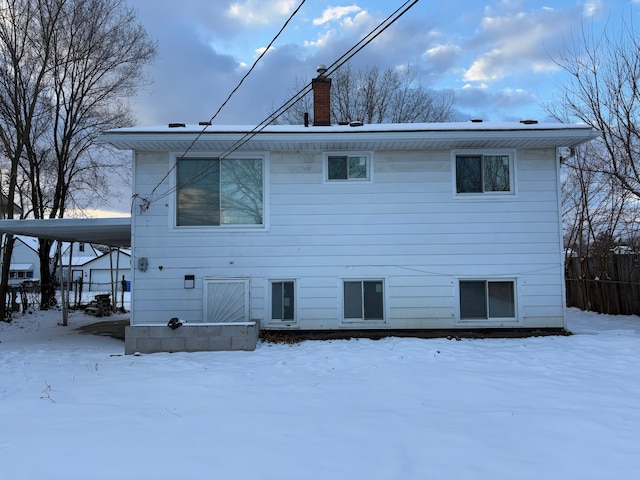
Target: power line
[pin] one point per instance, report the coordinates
(264, 52)
(345, 57)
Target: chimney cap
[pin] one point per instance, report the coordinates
(321, 69)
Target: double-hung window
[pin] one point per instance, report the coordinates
(363, 300)
(348, 167)
(477, 173)
(487, 299)
(215, 192)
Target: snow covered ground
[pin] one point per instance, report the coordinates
(73, 407)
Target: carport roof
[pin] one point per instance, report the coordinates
(115, 232)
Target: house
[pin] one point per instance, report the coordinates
(101, 272)
(343, 227)
(25, 262)
(4, 207)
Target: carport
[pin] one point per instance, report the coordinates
(113, 232)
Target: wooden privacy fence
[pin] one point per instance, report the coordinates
(606, 284)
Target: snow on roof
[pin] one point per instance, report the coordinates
(363, 137)
(524, 125)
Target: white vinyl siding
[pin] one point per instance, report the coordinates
(404, 226)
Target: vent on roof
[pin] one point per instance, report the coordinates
(176, 125)
(529, 122)
(355, 124)
(476, 120)
(204, 124)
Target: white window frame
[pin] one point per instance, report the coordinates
(369, 160)
(363, 321)
(173, 204)
(511, 153)
(280, 321)
(489, 321)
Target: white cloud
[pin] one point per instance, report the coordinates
(335, 13)
(592, 8)
(518, 41)
(323, 39)
(261, 50)
(260, 12)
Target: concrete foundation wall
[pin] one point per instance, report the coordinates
(191, 338)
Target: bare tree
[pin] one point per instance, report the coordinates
(374, 96)
(602, 90)
(23, 76)
(95, 54)
(601, 183)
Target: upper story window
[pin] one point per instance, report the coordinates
(348, 167)
(214, 192)
(477, 173)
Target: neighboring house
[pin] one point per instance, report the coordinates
(404, 226)
(99, 273)
(4, 207)
(25, 263)
(95, 267)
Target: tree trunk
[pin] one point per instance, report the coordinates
(7, 251)
(47, 280)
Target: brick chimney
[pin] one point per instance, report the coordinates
(321, 98)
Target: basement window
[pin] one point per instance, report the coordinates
(487, 299)
(363, 300)
(283, 301)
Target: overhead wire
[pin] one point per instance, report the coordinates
(253, 66)
(345, 57)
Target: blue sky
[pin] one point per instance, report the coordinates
(495, 55)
